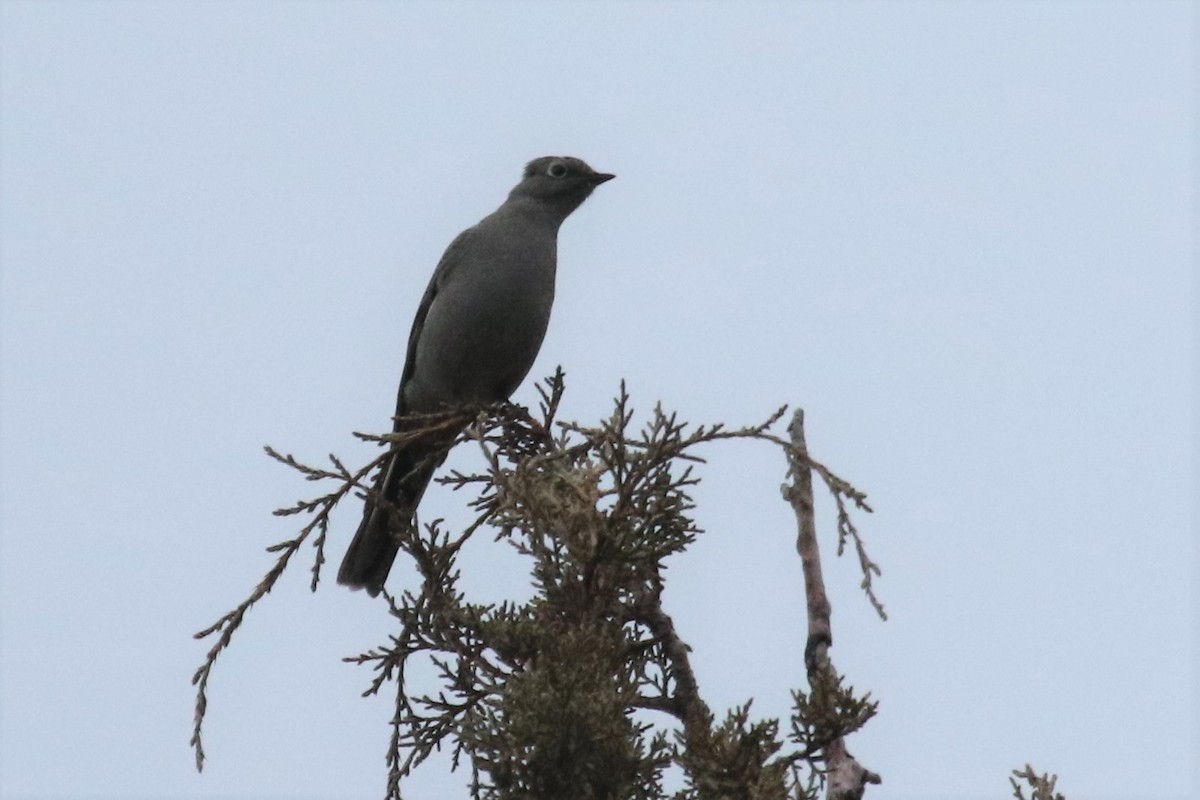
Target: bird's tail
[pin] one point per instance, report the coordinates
(387, 514)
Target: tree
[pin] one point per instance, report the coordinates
(537, 699)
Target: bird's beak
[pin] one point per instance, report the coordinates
(601, 177)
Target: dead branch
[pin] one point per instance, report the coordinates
(847, 779)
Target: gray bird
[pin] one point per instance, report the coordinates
(477, 332)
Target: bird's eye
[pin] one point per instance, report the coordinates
(557, 170)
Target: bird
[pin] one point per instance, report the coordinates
(477, 331)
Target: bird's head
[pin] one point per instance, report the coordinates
(561, 182)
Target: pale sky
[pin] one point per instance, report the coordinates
(959, 234)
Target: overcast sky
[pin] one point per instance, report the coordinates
(957, 234)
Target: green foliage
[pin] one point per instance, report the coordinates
(561, 726)
(1041, 786)
(829, 711)
(548, 698)
(737, 761)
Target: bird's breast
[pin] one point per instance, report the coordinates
(485, 327)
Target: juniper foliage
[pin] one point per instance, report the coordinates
(549, 698)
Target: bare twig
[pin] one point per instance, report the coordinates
(847, 779)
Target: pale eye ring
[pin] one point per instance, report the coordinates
(557, 169)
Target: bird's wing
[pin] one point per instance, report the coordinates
(445, 269)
